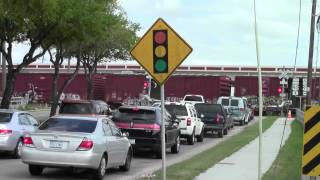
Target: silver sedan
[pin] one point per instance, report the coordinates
(14, 124)
(92, 142)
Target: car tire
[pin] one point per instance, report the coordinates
(99, 173)
(35, 170)
(127, 164)
(158, 154)
(200, 137)
(220, 133)
(241, 123)
(17, 150)
(191, 138)
(176, 147)
(225, 131)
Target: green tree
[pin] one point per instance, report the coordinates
(112, 45)
(28, 22)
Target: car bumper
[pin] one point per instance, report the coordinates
(8, 143)
(213, 127)
(186, 131)
(147, 143)
(79, 159)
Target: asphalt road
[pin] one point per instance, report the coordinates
(143, 163)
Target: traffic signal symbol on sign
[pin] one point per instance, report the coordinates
(160, 51)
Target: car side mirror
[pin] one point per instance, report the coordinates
(125, 134)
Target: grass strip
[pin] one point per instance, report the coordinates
(189, 169)
(288, 162)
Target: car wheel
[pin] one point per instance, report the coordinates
(200, 137)
(127, 164)
(241, 123)
(35, 170)
(176, 147)
(158, 154)
(17, 150)
(191, 139)
(220, 134)
(99, 173)
(225, 131)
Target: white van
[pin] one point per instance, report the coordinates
(236, 103)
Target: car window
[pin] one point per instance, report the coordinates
(23, 120)
(192, 98)
(115, 131)
(135, 114)
(76, 108)
(208, 110)
(5, 117)
(178, 110)
(32, 120)
(106, 129)
(234, 102)
(69, 125)
(225, 102)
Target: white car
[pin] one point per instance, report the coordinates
(191, 126)
(193, 99)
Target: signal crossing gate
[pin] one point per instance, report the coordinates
(311, 142)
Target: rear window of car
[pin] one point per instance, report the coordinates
(225, 102)
(193, 98)
(208, 110)
(135, 115)
(5, 117)
(178, 110)
(234, 102)
(69, 125)
(76, 108)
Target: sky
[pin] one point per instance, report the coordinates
(221, 32)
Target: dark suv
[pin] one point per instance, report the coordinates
(84, 107)
(143, 124)
(214, 117)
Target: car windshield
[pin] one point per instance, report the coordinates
(208, 110)
(225, 102)
(178, 110)
(135, 114)
(75, 108)
(193, 98)
(5, 117)
(69, 125)
(234, 102)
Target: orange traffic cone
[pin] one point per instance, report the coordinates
(289, 114)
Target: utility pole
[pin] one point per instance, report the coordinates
(4, 70)
(311, 44)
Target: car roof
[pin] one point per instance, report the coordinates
(80, 116)
(76, 101)
(11, 111)
(139, 107)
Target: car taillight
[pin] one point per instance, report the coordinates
(5, 131)
(27, 141)
(85, 145)
(217, 119)
(241, 109)
(156, 127)
(188, 121)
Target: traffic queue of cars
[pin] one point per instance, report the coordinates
(83, 136)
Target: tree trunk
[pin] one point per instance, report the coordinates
(54, 93)
(7, 95)
(90, 89)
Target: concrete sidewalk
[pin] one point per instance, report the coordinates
(243, 165)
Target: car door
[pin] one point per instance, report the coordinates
(121, 143)
(170, 129)
(24, 123)
(197, 121)
(110, 143)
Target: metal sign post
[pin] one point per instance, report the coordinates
(163, 133)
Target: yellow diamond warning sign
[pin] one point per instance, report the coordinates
(160, 51)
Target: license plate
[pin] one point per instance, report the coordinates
(132, 141)
(56, 144)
